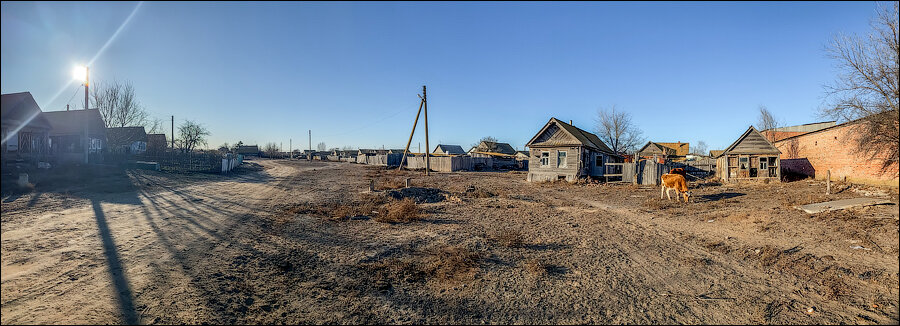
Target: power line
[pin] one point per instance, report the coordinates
(73, 95)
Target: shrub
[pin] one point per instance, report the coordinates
(509, 238)
(399, 211)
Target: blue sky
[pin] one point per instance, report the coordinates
(268, 72)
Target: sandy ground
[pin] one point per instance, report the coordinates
(259, 246)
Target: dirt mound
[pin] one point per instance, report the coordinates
(418, 194)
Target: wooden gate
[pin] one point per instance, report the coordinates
(644, 172)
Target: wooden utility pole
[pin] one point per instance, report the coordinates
(173, 132)
(87, 137)
(290, 147)
(406, 150)
(310, 140)
(427, 155)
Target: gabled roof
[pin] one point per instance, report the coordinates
(449, 149)
(751, 142)
(157, 138)
(20, 108)
(582, 137)
(493, 147)
(247, 149)
(894, 112)
(681, 149)
(716, 153)
(668, 149)
(73, 122)
(126, 134)
(652, 148)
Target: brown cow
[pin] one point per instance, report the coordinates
(680, 171)
(671, 181)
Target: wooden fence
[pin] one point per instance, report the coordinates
(644, 172)
(451, 163)
(184, 162)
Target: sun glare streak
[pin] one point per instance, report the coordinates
(116, 34)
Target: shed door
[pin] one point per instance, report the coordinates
(597, 165)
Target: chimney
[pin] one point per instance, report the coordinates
(570, 122)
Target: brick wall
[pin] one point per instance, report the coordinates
(834, 149)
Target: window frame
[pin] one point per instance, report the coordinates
(562, 161)
(545, 155)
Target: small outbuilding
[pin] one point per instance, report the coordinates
(750, 157)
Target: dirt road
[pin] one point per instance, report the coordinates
(149, 247)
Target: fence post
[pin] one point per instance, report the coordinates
(828, 182)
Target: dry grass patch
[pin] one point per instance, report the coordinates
(400, 211)
(536, 267)
(448, 263)
(510, 238)
(453, 263)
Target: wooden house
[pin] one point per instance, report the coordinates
(492, 149)
(750, 157)
(449, 150)
(157, 143)
(24, 129)
(130, 140)
(664, 151)
(73, 131)
(561, 151)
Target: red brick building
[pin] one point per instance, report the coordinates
(833, 148)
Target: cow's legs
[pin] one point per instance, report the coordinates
(662, 189)
(668, 194)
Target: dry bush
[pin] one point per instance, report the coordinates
(509, 238)
(536, 267)
(400, 211)
(449, 263)
(390, 183)
(453, 263)
(481, 193)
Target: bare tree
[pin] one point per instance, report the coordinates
(321, 147)
(118, 105)
(616, 129)
(347, 148)
(490, 147)
(793, 148)
(701, 148)
(191, 135)
(867, 86)
(271, 150)
(224, 148)
(154, 126)
(767, 122)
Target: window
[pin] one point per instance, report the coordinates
(599, 160)
(545, 159)
(561, 159)
(773, 161)
(744, 161)
(763, 164)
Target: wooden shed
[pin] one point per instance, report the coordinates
(750, 157)
(561, 151)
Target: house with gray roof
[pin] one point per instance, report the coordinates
(561, 151)
(449, 150)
